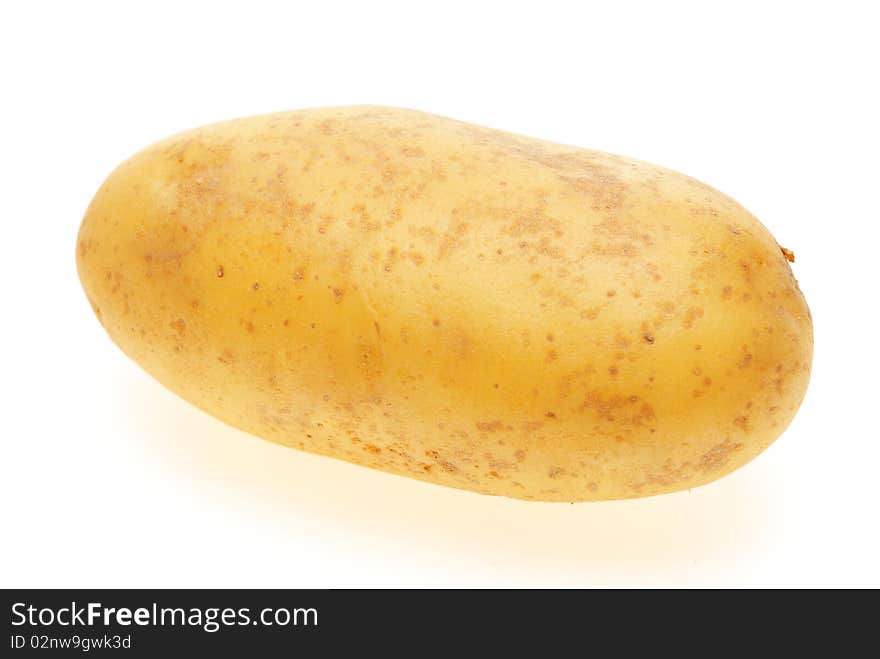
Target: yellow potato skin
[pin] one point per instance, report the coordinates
(451, 303)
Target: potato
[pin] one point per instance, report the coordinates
(451, 303)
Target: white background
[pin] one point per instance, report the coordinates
(110, 480)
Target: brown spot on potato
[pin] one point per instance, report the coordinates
(718, 455)
(555, 472)
(453, 238)
(219, 272)
(490, 426)
(619, 409)
(692, 315)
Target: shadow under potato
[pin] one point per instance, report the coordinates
(497, 540)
